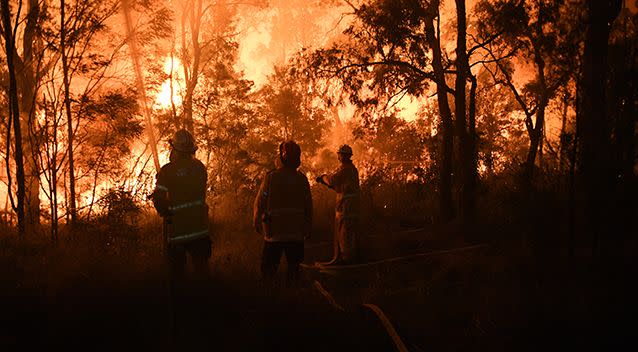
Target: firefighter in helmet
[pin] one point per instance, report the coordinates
(283, 213)
(344, 181)
(180, 198)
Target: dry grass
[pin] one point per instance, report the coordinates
(495, 299)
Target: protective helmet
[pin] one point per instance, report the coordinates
(290, 154)
(345, 150)
(183, 141)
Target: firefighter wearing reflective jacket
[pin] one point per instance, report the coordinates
(344, 181)
(283, 213)
(180, 198)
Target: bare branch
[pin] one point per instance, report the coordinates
(483, 44)
(396, 63)
(508, 82)
(490, 61)
(354, 8)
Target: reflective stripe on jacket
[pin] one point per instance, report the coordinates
(283, 206)
(186, 237)
(184, 181)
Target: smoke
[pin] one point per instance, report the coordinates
(268, 36)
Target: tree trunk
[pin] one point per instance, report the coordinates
(54, 182)
(191, 69)
(595, 131)
(14, 111)
(51, 153)
(28, 84)
(69, 119)
(623, 101)
(535, 136)
(536, 131)
(447, 129)
(32, 174)
(466, 196)
(96, 175)
(473, 177)
(571, 205)
(132, 41)
(564, 137)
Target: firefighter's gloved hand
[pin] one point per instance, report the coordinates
(161, 204)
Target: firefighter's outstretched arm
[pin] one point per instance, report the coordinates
(333, 180)
(325, 180)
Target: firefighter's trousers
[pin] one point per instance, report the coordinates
(346, 238)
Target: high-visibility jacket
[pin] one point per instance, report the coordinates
(180, 196)
(283, 206)
(345, 181)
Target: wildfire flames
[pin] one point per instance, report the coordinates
(172, 89)
(235, 71)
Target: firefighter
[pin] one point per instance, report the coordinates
(344, 181)
(283, 213)
(180, 198)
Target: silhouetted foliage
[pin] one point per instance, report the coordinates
(544, 36)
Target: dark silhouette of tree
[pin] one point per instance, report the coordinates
(288, 110)
(113, 122)
(28, 71)
(224, 113)
(465, 119)
(85, 20)
(500, 142)
(397, 52)
(447, 134)
(543, 34)
(622, 101)
(67, 108)
(594, 128)
(393, 49)
(205, 26)
(50, 159)
(14, 117)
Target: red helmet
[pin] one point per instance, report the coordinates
(290, 154)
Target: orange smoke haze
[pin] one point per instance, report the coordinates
(270, 35)
(267, 36)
